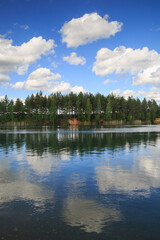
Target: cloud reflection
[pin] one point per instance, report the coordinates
(21, 190)
(16, 186)
(45, 163)
(88, 214)
(137, 179)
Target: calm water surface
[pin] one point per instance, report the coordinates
(101, 183)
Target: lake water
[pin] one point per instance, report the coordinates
(77, 184)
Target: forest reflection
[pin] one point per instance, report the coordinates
(73, 141)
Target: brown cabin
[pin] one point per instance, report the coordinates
(157, 121)
(73, 121)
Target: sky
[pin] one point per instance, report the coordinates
(97, 46)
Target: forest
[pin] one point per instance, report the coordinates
(83, 106)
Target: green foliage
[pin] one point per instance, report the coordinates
(53, 109)
(19, 110)
(108, 113)
(84, 106)
(88, 110)
(11, 110)
(98, 107)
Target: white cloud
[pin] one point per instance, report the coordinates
(44, 79)
(2, 98)
(18, 85)
(130, 93)
(78, 89)
(25, 27)
(5, 34)
(116, 92)
(142, 64)
(40, 79)
(73, 59)
(65, 87)
(18, 58)
(153, 93)
(11, 98)
(54, 64)
(149, 75)
(109, 81)
(127, 93)
(154, 88)
(88, 28)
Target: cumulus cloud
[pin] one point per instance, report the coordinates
(65, 87)
(40, 79)
(127, 93)
(153, 93)
(78, 89)
(18, 85)
(18, 58)
(149, 75)
(2, 98)
(88, 28)
(142, 64)
(44, 79)
(116, 92)
(73, 59)
(130, 93)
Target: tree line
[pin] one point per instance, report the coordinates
(83, 106)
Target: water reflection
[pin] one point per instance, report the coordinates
(137, 178)
(88, 214)
(46, 163)
(88, 178)
(75, 141)
(16, 186)
(21, 190)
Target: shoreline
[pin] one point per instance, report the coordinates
(75, 123)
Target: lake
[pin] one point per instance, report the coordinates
(92, 183)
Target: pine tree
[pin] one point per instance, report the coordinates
(108, 113)
(88, 109)
(53, 109)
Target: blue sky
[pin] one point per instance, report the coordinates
(95, 46)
